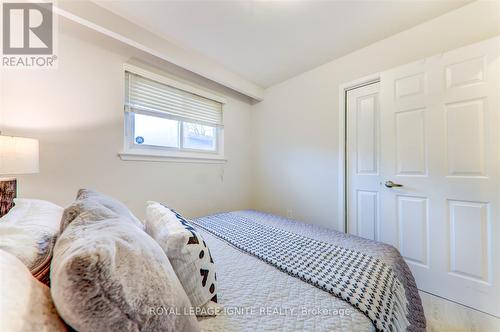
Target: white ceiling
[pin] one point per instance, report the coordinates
(268, 42)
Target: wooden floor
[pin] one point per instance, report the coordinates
(446, 316)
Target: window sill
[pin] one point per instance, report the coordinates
(175, 158)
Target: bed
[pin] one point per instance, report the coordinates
(257, 296)
(272, 273)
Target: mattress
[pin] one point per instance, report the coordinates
(258, 297)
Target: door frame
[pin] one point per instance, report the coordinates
(343, 90)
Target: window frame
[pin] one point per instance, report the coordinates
(132, 151)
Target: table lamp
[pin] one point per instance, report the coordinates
(18, 155)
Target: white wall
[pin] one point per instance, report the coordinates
(296, 127)
(283, 152)
(76, 111)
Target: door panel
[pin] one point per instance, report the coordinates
(469, 224)
(363, 157)
(411, 156)
(367, 134)
(465, 138)
(367, 214)
(438, 138)
(413, 229)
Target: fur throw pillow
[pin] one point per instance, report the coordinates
(109, 202)
(108, 275)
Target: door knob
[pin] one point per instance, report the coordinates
(390, 184)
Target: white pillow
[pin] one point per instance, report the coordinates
(29, 232)
(25, 303)
(23, 208)
(188, 254)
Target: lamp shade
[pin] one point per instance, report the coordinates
(18, 155)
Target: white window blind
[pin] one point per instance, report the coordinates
(146, 95)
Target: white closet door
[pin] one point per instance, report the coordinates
(439, 139)
(363, 138)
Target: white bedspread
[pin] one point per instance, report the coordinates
(258, 297)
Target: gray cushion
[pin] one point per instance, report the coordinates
(108, 275)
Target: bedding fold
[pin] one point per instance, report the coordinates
(366, 282)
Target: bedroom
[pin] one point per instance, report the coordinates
(292, 118)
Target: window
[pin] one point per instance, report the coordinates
(165, 118)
